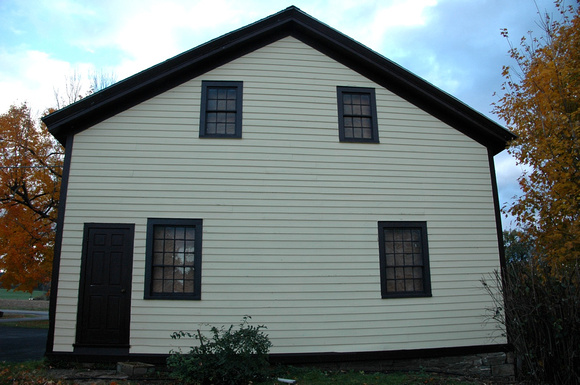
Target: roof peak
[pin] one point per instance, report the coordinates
(289, 22)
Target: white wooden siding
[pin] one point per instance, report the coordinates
(289, 213)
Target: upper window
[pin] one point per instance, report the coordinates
(221, 110)
(173, 259)
(357, 115)
(404, 259)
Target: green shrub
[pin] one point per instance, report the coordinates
(230, 356)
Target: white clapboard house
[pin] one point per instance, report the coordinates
(286, 172)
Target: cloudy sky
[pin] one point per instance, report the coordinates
(454, 44)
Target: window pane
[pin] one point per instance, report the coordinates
(416, 235)
(400, 286)
(180, 246)
(419, 285)
(157, 286)
(397, 235)
(402, 255)
(417, 247)
(399, 272)
(158, 232)
(418, 272)
(178, 286)
(180, 233)
(175, 261)
(189, 259)
(230, 117)
(418, 260)
(221, 99)
(399, 248)
(178, 273)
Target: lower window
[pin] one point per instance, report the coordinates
(404, 259)
(173, 259)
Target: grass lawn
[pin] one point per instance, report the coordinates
(20, 295)
(24, 324)
(37, 372)
(313, 376)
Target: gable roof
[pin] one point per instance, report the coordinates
(289, 22)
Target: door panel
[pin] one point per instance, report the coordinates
(105, 288)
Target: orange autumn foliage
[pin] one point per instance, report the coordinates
(30, 174)
(541, 105)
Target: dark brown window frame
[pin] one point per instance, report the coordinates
(340, 91)
(197, 224)
(426, 274)
(207, 85)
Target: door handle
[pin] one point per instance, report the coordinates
(123, 290)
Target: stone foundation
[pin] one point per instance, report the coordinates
(484, 365)
(135, 369)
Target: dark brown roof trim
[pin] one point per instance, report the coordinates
(289, 22)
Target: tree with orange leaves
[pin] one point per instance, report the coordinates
(541, 105)
(30, 174)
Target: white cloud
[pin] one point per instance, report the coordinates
(369, 22)
(507, 174)
(31, 76)
(156, 31)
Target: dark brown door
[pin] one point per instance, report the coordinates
(105, 289)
